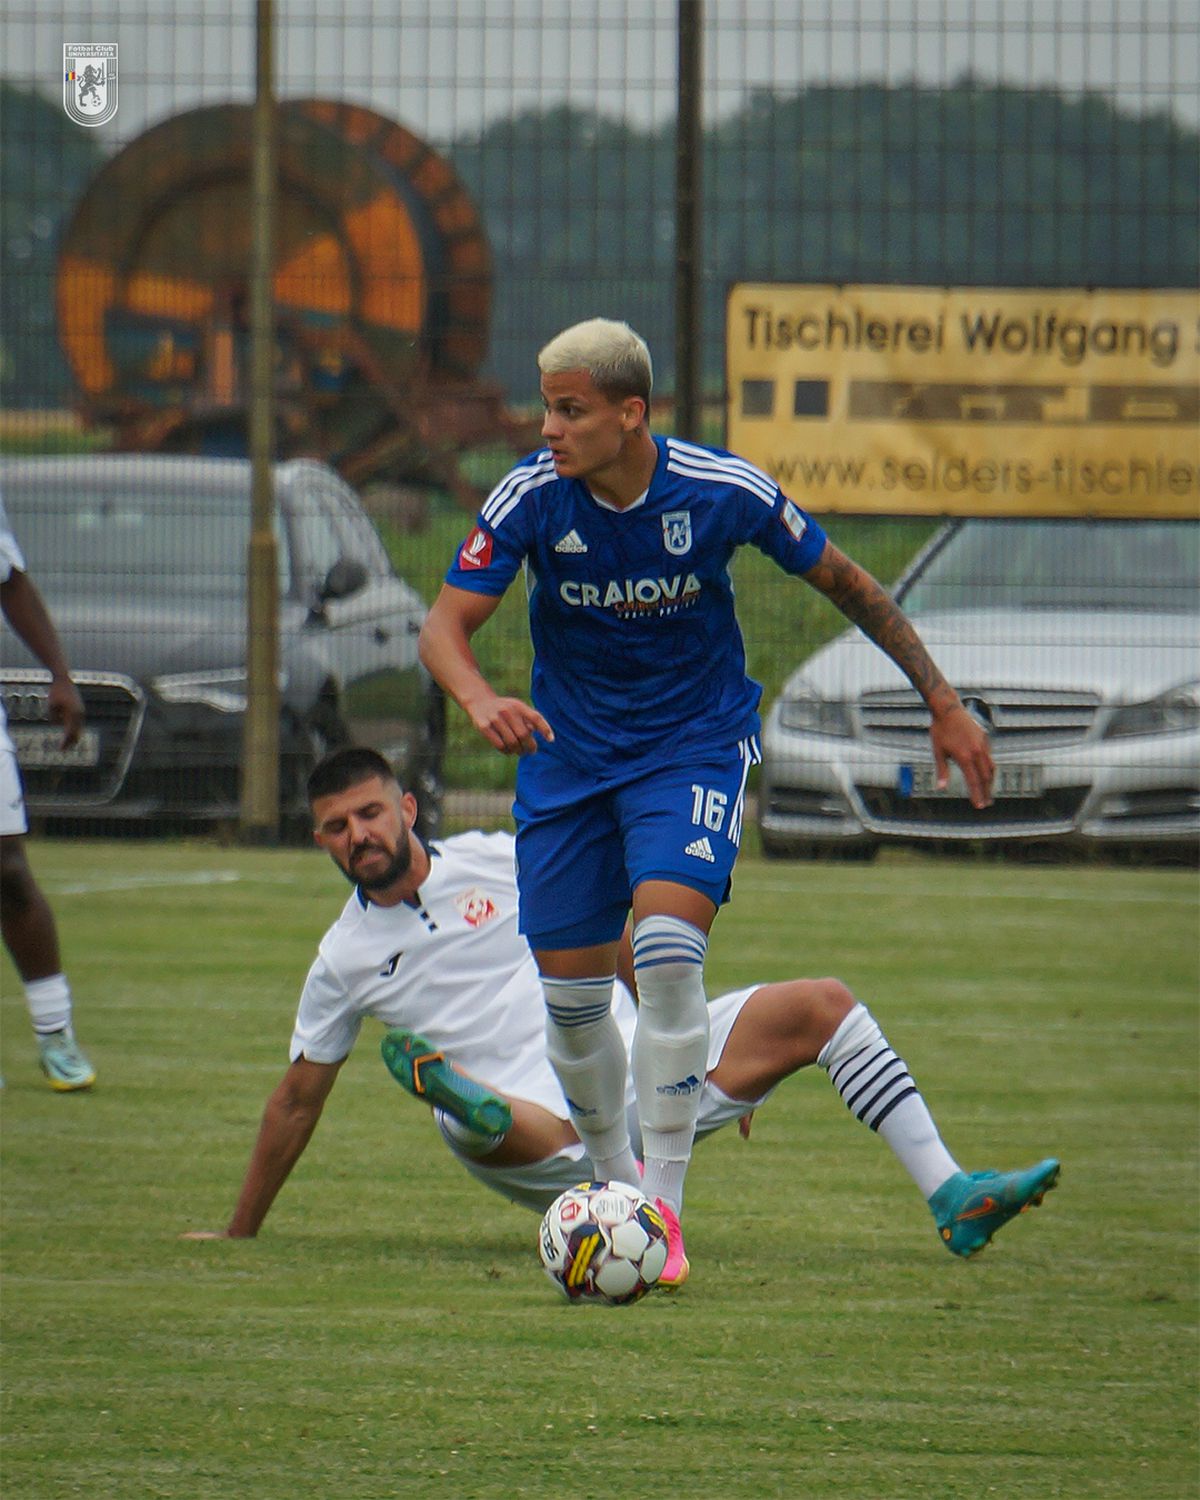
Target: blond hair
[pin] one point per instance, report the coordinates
(617, 358)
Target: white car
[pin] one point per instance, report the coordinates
(1076, 642)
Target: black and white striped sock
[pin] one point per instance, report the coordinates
(878, 1089)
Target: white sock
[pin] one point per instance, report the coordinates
(49, 1002)
(878, 1089)
(584, 1044)
(670, 1048)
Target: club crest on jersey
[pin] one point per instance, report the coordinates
(677, 532)
(475, 907)
(476, 551)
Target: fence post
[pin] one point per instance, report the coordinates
(688, 148)
(260, 742)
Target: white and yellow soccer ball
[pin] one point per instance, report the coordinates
(603, 1242)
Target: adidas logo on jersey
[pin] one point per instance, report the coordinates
(702, 849)
(572, 542)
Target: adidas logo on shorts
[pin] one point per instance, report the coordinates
(701, 849)
(572, 542)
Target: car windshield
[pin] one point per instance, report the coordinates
(104, 536)
(1062, 564)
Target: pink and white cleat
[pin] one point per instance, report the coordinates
(675, 1272)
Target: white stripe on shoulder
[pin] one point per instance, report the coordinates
(725, 463)
(515, 484)
(721, 468)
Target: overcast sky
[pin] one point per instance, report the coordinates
(446, 67)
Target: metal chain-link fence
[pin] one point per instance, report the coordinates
(459, 181)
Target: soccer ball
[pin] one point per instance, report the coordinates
(603, 1242)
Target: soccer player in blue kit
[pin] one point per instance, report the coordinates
(631, 782)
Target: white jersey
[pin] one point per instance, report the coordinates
(449, 965)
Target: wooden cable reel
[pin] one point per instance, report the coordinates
(382, 289)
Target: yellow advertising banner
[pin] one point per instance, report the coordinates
(968, 401)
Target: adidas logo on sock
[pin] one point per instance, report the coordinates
(702, 849)
(572, 542)
(685, 1086)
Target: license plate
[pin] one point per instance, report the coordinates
(43, 748)
(1011, 781)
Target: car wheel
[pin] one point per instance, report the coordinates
(426, 782)
(302, 746)
(431, 804)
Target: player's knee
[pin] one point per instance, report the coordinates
(834, 999)
(835, 1002)
(820, 1007)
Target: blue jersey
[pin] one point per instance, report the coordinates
(638, 657)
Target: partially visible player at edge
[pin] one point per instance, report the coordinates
(643, 721)
(27, 922)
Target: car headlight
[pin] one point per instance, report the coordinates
(1172, 712)
(804, 709)
(225, 690)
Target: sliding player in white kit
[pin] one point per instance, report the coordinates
(428, 945)
(643, 721)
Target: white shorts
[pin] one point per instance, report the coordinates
(12, 794)
(537, 1185)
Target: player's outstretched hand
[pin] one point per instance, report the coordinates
(509, 725)
(959, 738)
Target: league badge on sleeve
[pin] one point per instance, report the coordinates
(476, 551)
(90, 81)
(793, 519)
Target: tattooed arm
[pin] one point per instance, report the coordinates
(954, 733)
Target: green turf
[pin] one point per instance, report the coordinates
(390, 1333)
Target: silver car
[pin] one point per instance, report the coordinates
(1077, 643)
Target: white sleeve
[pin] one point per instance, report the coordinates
(11, 558)
(327, 1020)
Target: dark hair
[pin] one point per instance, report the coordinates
(346, 767)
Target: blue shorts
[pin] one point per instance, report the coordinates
(581, 852)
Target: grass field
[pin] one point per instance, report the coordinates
(390, 1333)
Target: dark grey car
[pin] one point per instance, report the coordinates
(142, 561)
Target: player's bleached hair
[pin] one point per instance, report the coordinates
(346, 767)
(617, 358)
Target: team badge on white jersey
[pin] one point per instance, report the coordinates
(572, 542)
(677, 532)
(475, 907)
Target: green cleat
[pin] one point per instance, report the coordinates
(63, 1061)
(420, 1068)
(970, 1209)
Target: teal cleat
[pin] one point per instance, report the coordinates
(422, 1069)
(63, 1061)
(970, 1209)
